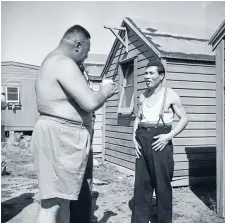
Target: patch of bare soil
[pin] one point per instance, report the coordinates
(112, 200)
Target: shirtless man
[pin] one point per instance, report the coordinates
(62, 135)
(152, 137)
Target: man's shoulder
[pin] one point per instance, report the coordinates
(57, 61)
(172, 95)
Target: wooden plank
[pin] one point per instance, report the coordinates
(198, 101)
(122, 156)
(205, 172)
(190, 93)
(194, 141)
(194, 157)
(220, 124)
(97, 141)
(192, 77)
(190, 181)
(183, 76)
(121, 149)
(97, 148)
(125, 143)
(103, 133)
(118, 135)
(98, 133)
(189, 68)
(120, 162)
(185, 84)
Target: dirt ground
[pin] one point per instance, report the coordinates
(112, 200)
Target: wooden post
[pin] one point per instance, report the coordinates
(103, 133)
(220, 132)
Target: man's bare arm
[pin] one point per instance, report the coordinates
(180, 112)
(73, 82)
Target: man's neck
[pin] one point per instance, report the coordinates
(156, 89)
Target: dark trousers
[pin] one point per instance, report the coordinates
(154, 170)
(81, 209)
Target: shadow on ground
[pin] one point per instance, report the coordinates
(207, 194)
(106, 215)
(152, 209)
(12, 207)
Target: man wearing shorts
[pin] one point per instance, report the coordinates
(62, 134)
(152, 138)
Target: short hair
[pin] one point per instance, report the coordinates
(75, 30)
(158, 64)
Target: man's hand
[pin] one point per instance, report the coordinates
(137, 148)
(109, 89)
(161, 142)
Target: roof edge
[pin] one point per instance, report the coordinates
(218, 35)
(139, 33)
(199, 57)
(19, 64)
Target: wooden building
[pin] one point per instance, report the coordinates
(18, 80)
(190, 70)
(218, 44)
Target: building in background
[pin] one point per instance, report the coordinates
(18, 81)
(190, 70)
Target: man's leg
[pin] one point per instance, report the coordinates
(143, 186)
(64, 212)
(164, 165)
(80, 210)
(49, 209)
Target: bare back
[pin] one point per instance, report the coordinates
(52, 99)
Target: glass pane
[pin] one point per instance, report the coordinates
(12, 96)
(12, 89)
(127, 97)
(129, 75)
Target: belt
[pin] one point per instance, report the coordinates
(152, 125)
(64, 121)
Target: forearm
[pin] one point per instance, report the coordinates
(136, 123)
(100, 98)
(179, 127)
(96, 101)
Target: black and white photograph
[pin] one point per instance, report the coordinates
(113, 112)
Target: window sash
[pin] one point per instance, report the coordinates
(11, 92)
(126, 74)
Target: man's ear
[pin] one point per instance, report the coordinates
(77, 46)
(162, 76)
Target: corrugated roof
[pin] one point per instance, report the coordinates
(173, 42)
(94, 69)
(96, 58)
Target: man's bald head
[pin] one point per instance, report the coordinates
(76, 43)
(76, 32)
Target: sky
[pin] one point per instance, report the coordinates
(30, 30)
